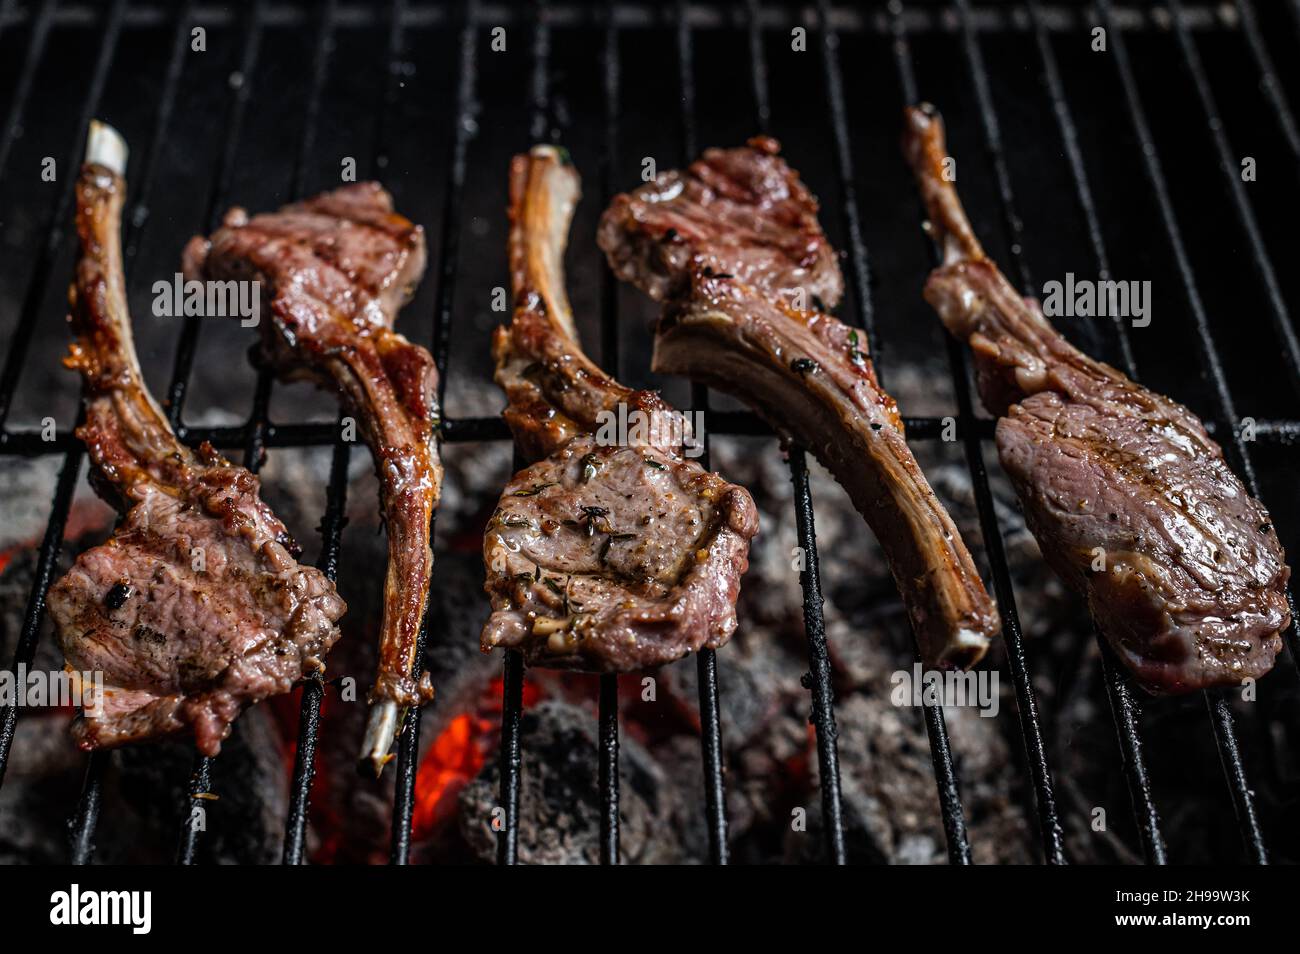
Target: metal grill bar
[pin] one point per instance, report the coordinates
(1124, 705)
(46, 259)
(1221, 716)
(1278, 312)
(715, 796)
(185, 349)
(201, 775)
(848, 19)
(819, 674)
(1026, 703)
(23, 89)
(57, 223)
(609, 337)
(332, 521)
(1268, 79)
(954, 822)
(86, 816)
(408, 740)
(466, 430)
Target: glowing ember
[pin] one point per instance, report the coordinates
(453, 759)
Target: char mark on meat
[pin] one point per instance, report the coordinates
(734, 246)
(196, 606)
(1129, 498)
(603, 555)
(335, 270)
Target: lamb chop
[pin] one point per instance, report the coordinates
(1129, 498)
(196, 606)
(334, 271)
(609, 553)
(733, 246)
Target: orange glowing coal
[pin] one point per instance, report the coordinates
(455, 758)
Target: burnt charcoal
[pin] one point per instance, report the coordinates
(560, 799)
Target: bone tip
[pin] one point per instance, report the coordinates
(557, 154)
(106, 147)
(381, 730)
(968, 647)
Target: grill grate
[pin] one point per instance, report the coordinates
(896, 21)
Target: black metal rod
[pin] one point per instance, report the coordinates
(858, 262)
(945, 778)
(84, 820)
(1225, 733)
(408, 748)
(608, 776)
(468, 430)
(1269, 83)
(52, 542)
(715, 796)
(56, 226)
(506, 823)
(14, 118)
(1052, 836)
(200, 778)
(819, 661)
(183, 362)
(46, 564)
(1127, 713)
(1229, 165)
(1243, 799)
(313, 692)
(196, 818)
(608, 780)
(255, 448)
(1123, 705)
(1123, 702)
(86, 816)
(1082, 189)
(819, 668)
(953, 816)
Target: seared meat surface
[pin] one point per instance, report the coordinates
(1129, 498)
(742, 259)
(196, 607)
(739, 212)
(610, 553)
(334, 271)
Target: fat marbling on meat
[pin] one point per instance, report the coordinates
(1130, 499)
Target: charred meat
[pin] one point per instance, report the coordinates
(610, 552)
(1129, 498)
(334, 271)
(196, 607)
(734, 246)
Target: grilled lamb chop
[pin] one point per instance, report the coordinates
(1193, 590)
(196, 607)
(334, 271)
(733, 245)
(602, 555)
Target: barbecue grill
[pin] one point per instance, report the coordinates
(1062, 193)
